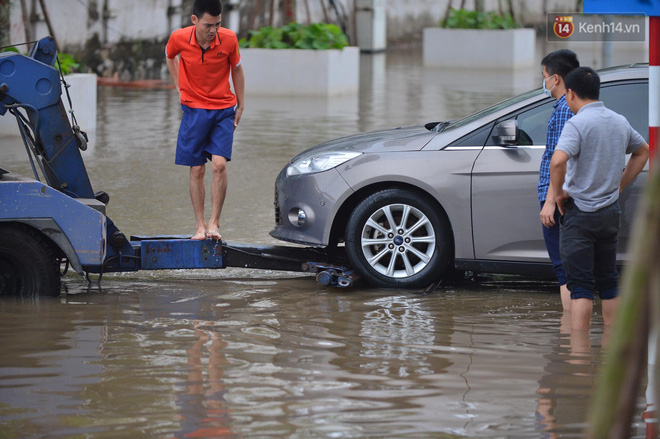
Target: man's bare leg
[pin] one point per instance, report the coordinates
(565, 322)
(197, 193)
(581, 310)
(218, 193)
(580, 346)
(565, 295)
(609, 310)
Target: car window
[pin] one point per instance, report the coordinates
(630, 100)
(485, 112)
(477, 137)
(533, 124)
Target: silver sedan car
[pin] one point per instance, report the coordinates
(410, 203)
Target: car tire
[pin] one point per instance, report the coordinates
(28, 266)
(397, 238)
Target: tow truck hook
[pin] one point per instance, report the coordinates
(331, 275)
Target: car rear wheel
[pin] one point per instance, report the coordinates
(28, 266)
(397, 238)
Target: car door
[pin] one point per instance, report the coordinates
(505, 206)
(631, 99)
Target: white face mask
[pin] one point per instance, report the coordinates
(546, 90)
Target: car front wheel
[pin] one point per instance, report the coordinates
(397, 238)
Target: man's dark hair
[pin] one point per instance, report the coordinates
(211, 7)
(560, 62)
(584, 82)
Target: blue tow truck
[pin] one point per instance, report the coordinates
(62, 221)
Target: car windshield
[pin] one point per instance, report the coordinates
(491, 109)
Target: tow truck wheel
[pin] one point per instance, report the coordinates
(396, 238)
(27, 264)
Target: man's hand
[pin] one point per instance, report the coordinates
(557, 176)
(238, 77)
(548, 213)
(173, 67)
(237, 116)
(561, 200)
(635, 165)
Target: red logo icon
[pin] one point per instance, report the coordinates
(563, 26)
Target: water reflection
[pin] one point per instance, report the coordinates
(395, 335)
(202, 406)
(564, 375)
(269, 357)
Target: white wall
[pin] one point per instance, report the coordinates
(74, 23)
(83, 97)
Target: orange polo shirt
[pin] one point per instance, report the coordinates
(204, 75)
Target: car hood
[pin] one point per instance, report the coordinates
(393, 140)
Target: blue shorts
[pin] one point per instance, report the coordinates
(204, 133)
(551, 237)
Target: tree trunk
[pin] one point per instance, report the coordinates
(27, 24)
(4, 23)
(186, 12)
(287, 11)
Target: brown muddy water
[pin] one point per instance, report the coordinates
(250, 353)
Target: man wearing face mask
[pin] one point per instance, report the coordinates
(556, 66)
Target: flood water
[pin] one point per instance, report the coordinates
(253, 353)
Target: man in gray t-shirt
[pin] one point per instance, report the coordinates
(587, 174)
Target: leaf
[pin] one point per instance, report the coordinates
(67, 62)
(466, 19)
(317, 36)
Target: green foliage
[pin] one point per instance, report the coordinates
(10, 49)
(465, 19)
(67, 62)
(317, 36)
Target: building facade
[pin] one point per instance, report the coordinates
(126, 38)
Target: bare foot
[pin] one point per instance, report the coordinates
(200, 235)
(213, 233)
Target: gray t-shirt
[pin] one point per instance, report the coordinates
(596, 140)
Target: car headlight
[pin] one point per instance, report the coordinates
(319, 162)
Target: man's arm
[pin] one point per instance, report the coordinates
(173, 67)
(562, 114)
(548, 210)
(557, 177)
(238, 77)
(634, 167)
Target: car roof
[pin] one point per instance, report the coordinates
(629, 71)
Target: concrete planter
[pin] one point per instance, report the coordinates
(477, 48)
(83, 96)
(293, 72)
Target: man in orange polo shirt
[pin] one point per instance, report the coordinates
(200, 59)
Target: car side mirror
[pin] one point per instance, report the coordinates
(506, 133)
